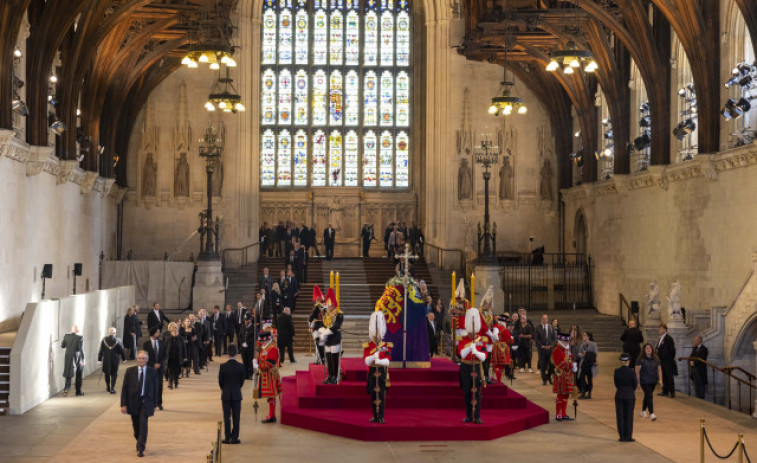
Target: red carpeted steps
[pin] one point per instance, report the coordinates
(422, 405)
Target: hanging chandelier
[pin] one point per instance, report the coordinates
(506, 102)
(224, 96)
(571, 58)
(215, 55)
(212, 44)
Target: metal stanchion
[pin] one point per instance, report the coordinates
(741, 448)
(701, 440)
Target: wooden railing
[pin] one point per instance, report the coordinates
(728, 371)
(626, 314)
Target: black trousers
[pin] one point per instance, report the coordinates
(139, 423)
(699, 383)
(231, 411)
(668, 381)
(194, 354)
(624, 417)
(247, 355)
(78, 373)
(366, 247)
(377, 390)
(286, 345)
(160, 372)
(329, 251)
(110, 381)
(525, 354)
(648, 403)
(218, 344)
(545, 365)
(228, 340)
(471, 382)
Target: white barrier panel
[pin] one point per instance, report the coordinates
(166, 282)
(36, 367)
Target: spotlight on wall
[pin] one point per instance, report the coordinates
(17, 52)
(684, 128)
(643, 141)
(53, 78)
(55, 124)
(20, 107)
(17, 83)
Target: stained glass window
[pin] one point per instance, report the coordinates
(330, 116)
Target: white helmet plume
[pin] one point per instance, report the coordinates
(472, 321)
(460, 291)
(377, 326)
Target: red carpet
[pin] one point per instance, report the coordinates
(422, 405)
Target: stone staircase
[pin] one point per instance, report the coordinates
(606, 329)
(242, 285)
(5, 372)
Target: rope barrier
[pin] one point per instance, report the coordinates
(707, 439)
(739, 445)
(746, 455)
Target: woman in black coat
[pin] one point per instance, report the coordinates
(632, 339)
(176, 355)
(275, 302)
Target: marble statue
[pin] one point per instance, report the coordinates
(545, 187)
(464, 181)
(653, 298)
(217, 176)
(674, 301)
(506, 178)
(149, 176)
(181, 180)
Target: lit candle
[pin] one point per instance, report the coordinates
(473, 290)
(453, 289)
(337, 288)
(331, 279)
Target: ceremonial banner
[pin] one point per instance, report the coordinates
(391, 303)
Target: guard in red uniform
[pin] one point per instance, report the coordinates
(487, 335)
(472, 352)
(563, 377)
(268, 385)
(377, 355)
(501, 358)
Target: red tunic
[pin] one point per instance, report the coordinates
(563, 361)
(385, 350)
(269, 383)
(466, 341)
(501, 352)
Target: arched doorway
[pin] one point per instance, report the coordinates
(580, 233)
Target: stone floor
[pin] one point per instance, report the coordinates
(91, 428)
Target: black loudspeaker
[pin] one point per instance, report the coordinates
(47, 271)
(77, 269)
(634, 306)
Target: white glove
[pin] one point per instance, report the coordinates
(255, 364)
(99, 363)
(244, 344)
(514, 347)
(382, 362)
(495, 334)
(466, 350)
(575, 367)
(480, 355)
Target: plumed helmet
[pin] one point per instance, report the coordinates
(460, 291)
(472, 321)
(331, 298)
(377, 326)
(317, 293)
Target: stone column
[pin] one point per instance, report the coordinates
(754, 415)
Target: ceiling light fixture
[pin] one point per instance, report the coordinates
(224, 96)
(571, 58)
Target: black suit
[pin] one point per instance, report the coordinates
(366, 236)
(111, 354)
(159, 357)
(231, 377)
(219, 331)
(329, 236)
(285, 337)
(139, 400)
(666, 350)
(156, 320)
(247, 336)
(73, 360)
(625, 384)
(542, 339)
(431, 332)
(231, 329)
(698, 371)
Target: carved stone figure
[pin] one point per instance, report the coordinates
(181, 179)
(149, 176)
(674, 301)
(464, 181)
(217, 176)
(653, 298)
(506, 179)
(545, 187)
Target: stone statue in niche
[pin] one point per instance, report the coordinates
(506, 178)
(674, 301)
(464, 181)
(653, 298)
(149, 176)
(217, 176)
(181, 178)
(545, 187)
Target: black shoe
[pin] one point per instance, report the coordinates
(477, 421)
(65, 392)
(373, 420)
(468, 420)
(381, 421)
(588, 396)
(236, 441)
(567, 418)
(558, 418)
(582, 396)
(140, 453)
(226, 441)
(550, 381)
(112, 391)
(79, 393)
(270, 420)
(672, 395)
(160, 407)
(543, 383)
(170, 386)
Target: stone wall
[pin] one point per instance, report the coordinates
(692, 222)
(56, 213)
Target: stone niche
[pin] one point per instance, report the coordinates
(346, 209)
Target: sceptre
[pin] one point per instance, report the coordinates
(406, 255)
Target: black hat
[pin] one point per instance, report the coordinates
(264, 336)
(505, 317)
(563, 337)
(233, 350)
(625, 357)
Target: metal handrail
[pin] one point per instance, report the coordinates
(463, 262)
(244, 250)
(626, 314)
(748, 375)
(728, 371)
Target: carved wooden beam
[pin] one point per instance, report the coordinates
(11, 17)
(749, 11)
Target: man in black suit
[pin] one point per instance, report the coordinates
(625, 385)
(111, 354)
(231, 378)
(329, 237)
(666, 351)
(156, 318)
(218, 323)
(138, 395)
(265, 281)
(263, 238)
(431, 332)
(366, 234)
(231, 328)
(545, 338)
(300, 261)
(285, 336)
(313, 241)
(247, 338)
(698, 369)
(73, 360)
(157, 360)
(294, 290)
(305, 238)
